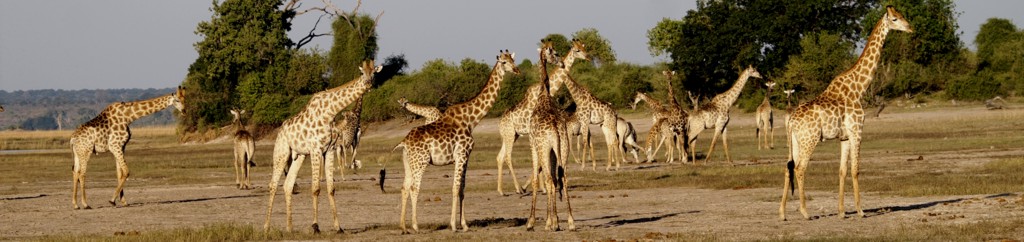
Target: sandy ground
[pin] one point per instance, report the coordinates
(367, 214)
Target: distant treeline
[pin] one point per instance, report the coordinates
(66, 109)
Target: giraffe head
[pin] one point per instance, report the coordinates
(578, 50)
(367, 69)
(178, 99)
(770, 85)
(668, 74)
(506, 63)
(547, 51)
(636, 99)
(751, 72)
(402, 101)
(895, 21)
(789, 92)
(236, 114)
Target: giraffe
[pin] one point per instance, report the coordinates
(574, 130)
(348, 132)
(449, 140)
(515, 121)
(589, 109)
(715, 114)
(547, 139)
(309, 133)
(109, 131)
(765, 120)
(659, 127)
(677, 121)
(430, 113)
(627, 135)
(837, 114)
(245, 147)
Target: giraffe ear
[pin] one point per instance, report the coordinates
(673, 72)
(513, 55)
(378, 69)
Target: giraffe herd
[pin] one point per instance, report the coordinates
(446, 137)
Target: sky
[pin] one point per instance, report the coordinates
(67, 44)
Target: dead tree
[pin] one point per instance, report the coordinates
(329, 9)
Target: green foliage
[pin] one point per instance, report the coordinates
(242, 38)
(560, 43)
(935, 32)
(1000, 63)
(599, 48)
(354, 41)
(713, 42)
(824, 56)
(993, 33)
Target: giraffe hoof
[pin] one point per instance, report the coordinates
(316, 228)
(341, 231)
(529, 228)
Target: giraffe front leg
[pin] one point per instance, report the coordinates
(122, 177)
(725, 145)
(611, 141)
(855, 171)
(316, 161)
(844, 155)
(289, 187)
(458, 187)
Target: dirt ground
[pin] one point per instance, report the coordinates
(367, 214)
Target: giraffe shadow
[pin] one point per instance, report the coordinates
(23, 197)
(193, 200)
(898, 208)
(621, 222)
(490, 223)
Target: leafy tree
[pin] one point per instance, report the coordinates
(242, 38)
(355, 40)
(824, 56)
(599, 48)
(710, 44)
(1000, 68)
(935, 32)
(994, 32)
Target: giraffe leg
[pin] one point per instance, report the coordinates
(281, 157)
(854, 171)
(787, 182)
(238, 159)
(504, 156)
(534, 183)
(458, 186)
(122, 176)
(289, 186)
(714, 139)
(551, 171)
(418, 173)
(329, 179)
(844, 154)
(316, 162)
(611, 139)
(725, 145)
(78, 173)
(406, 189)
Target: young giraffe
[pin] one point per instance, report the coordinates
(547, 133)
(348, 132)
(659, 127)
(109, 131)
(449, 140)
(589, 109)
(715, 114)
(515, 122)
(765, 120)
(245, 147)
(429, 113)
(575, 133)
(309, 133)
(837, 114)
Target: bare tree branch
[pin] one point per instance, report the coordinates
(330, 9)
(309, 37)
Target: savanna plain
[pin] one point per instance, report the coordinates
(942, 172)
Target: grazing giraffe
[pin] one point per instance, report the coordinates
(589, 109)
(309, 133)
(245, 147)
(765, 120)
(837, 114)
(109, 131)
(659, 127)
(547, 139)
(430, 113)
(627, 135)
(348, 133)
(715, 114)
(449, 140)
(515, 121)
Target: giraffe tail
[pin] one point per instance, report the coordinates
(789, 170)
(397, 146)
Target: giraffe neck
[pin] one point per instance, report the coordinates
(357, 108)
(328, 103)
(727, 98)
(421, 110)
(672, 94)
(139, 109)
(850, 85)
(767, 95)
(654, 105)
(470, 112)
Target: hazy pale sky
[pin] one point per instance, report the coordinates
(64, 44)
